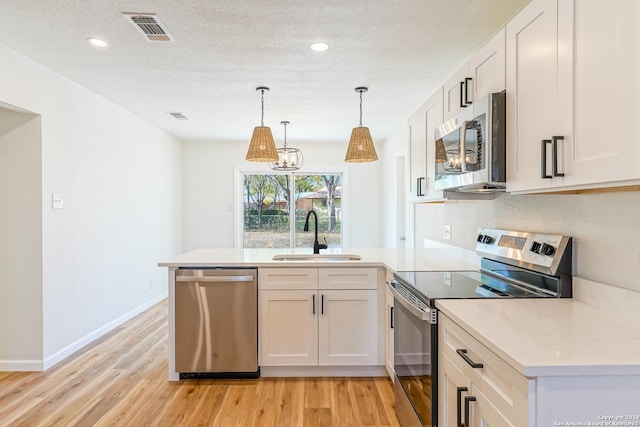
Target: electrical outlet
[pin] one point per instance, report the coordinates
(447, 278)
(57, 201)
(447, 232)
(150, 284)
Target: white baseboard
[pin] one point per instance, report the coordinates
(21, 365)
(89, 338)
(323, 371)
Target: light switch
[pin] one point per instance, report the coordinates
(447, 232)
(58, 201)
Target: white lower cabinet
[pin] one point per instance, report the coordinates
(288, 328)
(476, 385)
(347, 334)
(389, 341)
(307, 324)
(494, 393)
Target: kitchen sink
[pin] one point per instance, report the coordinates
(317, 257)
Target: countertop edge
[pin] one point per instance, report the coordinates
(533, 369)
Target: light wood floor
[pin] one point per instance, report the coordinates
(121, 380)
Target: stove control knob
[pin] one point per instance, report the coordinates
(480, 237)
(487, 239)
(535, 247)
(547, 249)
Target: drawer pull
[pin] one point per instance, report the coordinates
(459, 404)
(462, 352)
(467, 402)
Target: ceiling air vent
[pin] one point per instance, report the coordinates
(178, 116)
(149, 25)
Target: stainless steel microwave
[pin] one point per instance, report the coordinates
(471, 148)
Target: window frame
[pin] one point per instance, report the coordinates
(249, 170)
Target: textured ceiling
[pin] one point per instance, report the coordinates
(224, 49)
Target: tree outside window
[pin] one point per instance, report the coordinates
(271, 200)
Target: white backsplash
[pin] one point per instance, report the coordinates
(605, 228)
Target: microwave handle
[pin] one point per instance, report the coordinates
(463, 146)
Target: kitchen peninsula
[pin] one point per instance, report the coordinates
(342, 285)
(543, 358)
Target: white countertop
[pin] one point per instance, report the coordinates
(433, 259)
(551, 337)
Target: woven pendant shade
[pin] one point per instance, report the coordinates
(441, 153)
(262, 147)
(361, 148)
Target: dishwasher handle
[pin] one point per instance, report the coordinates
(225, 279)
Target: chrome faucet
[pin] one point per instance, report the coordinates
(316, 245)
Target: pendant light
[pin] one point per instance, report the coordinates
(361, 148)
(262, 147)
(289, 159)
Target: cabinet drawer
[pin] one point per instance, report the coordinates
(348, 278)
(287, 278)
(506, 389)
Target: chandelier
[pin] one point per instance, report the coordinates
(289, 158)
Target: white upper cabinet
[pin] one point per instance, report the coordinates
(572, 91)
(487, 67)
(422, 125)
(458, 92)
(484, 73)
(539, 82)
(607, 93)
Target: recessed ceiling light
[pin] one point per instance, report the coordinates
(320, 46)
(97, 42)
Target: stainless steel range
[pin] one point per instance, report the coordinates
(514, 265)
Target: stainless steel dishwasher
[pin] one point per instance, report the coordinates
(216, 323)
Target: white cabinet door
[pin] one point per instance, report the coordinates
(348, 327)
(458, 92)
(422, 126)
(453, 386)
(539, 94)
(607, 92)
(417, 133)
(483, 413)
(288, 327)
(487, 67)
(388, 352)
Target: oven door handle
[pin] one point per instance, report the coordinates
(429, 316)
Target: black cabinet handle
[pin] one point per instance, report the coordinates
(467, 403)
(467, 80)
(391, 318)
(313, 304)
(462, 104)
(554, 143)
(543, 156)
(462, 352)
(459, 405)
(419, 191)
(322, 304)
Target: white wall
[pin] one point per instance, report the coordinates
(20, 239)
(393, 148)
(209, 191)
(120, 178)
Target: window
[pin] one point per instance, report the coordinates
(275, 207)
